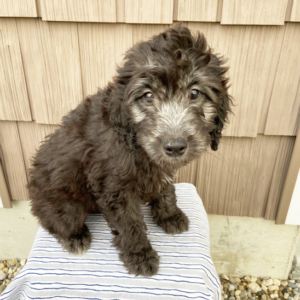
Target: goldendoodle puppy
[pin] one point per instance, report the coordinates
(122, 147)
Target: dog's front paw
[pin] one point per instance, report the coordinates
(77, 243)
(177, 223)
(145, 262)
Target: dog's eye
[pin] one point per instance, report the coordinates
(148, 97)
(194, 94)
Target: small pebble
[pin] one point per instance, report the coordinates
(236, 280)
(23, 262)
(2, 275)
(272, 288)
(254, 287)
(264, 288)
(13, 262)
(225, 277)
(276, 282)
(267, 282)
(243, 294)
(231, 288)
(247, 278)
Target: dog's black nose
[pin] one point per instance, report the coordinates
(175, 148)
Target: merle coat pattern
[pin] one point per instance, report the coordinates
(122, 147)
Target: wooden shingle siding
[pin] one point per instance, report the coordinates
(104, 46)
(13, 159)
(115, 40)
(254, 12)
(252, 69)
(295, 15)
(283, 113)
(14, 102)
(18, 8)
(31, 137)
(293, 11)
(51, 60)
(244, 177)
(188, 173)
(120, 7)
(283, 158)
(144, 32)
(47, 68)
(78, 10)
(150, 12)
(195, 10)
(5, 200)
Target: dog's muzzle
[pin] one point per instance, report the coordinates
(175, 147)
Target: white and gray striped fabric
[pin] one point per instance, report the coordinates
(186, 270)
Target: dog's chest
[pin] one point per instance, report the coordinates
(151, 182)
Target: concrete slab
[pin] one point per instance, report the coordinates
(252, 246)
(17, 230)
(295, 272)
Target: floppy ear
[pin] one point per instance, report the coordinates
(212, 74)
(117, 112)
(224, 101)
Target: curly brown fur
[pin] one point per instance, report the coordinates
(122, 147)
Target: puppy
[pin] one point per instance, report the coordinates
(122, 147)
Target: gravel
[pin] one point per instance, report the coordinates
(253, 288)
(9, 269)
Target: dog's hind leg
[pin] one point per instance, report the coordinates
(167, 214)
(129, 230)
(65, 221)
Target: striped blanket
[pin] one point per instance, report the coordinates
(186, 270)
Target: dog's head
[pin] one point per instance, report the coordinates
(172, 92)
